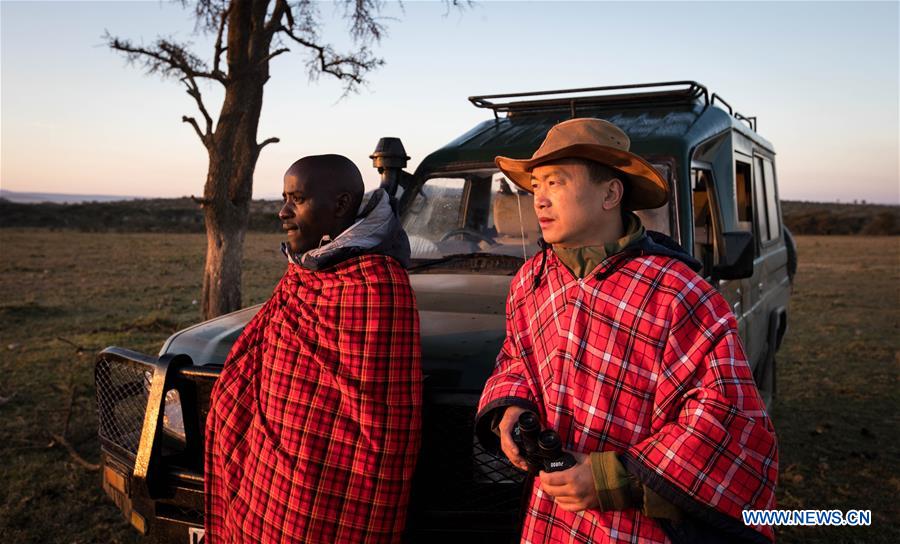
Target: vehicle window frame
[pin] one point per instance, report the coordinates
(773, 185)
(774, 237)
(714, 210)
(760, 212)
(672, 179)
(744, 160)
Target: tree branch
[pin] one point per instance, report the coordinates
(194, 91)
(78, 349)
(219, 49)
(364, 25)
(351, 68)
(201, 201)
(165, 57)
(193, 122)
(264, 143)
(278, 12)
(61, 440)
(274, 54)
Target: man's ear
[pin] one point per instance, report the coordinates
(342, 205)
(615, 190)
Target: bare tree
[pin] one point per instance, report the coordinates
(248, 34)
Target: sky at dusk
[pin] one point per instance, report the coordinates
(821, 77)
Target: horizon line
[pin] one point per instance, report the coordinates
(81, 198)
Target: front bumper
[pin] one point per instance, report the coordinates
(460, 492)
(153, 476)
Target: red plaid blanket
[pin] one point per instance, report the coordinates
(314, 424)
(646, 362)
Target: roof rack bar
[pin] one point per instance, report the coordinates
(719, 98)
(566, 104)
(693, 89)
(660, 93)
(749, 120)
(587, 89)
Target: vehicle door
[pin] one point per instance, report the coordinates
(706, 224)
(747, 202)
(771, 285)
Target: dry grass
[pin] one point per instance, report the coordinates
(837, 416)
(92, 290)
(838, 408)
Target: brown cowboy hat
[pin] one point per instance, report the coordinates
(599, 141)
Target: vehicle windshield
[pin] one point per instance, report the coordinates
(472, 212)
(482, 213)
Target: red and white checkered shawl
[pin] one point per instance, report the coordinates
(315, 422)
(646, 362)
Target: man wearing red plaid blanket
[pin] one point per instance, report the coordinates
(314, 423)
(616, 343)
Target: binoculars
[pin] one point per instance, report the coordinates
(542, 450)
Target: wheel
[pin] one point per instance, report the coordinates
(765, 382)
(791, 254)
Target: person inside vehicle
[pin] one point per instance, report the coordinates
(616, 343)
(315, 422)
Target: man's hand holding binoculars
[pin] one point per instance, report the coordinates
(572, 489)
(507, 444)
(565, 476)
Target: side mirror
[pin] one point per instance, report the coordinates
(735, 256)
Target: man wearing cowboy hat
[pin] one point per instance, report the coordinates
(614, 341)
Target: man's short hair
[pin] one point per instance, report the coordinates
(599, 173)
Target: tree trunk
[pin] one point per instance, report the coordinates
(229, 186)
(222, 274)
(232, 156)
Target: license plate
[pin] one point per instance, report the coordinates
(195, 536)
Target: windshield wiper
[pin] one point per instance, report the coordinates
(429, 263)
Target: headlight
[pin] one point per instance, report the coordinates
(173, 422)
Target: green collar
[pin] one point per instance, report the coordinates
(582, 260)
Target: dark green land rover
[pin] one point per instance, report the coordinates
(470, 230)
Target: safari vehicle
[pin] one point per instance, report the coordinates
(470, 229)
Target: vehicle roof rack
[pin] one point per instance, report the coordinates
(663, 93)
(751, 121)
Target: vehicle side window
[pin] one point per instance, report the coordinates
(744, 195)
(772, 200)
(703, 220)
(766, 200)
(759, 188)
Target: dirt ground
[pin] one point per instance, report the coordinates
(66, 295)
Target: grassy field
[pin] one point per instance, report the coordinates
(838, 410)
(68, 294)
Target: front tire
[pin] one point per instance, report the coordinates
(765, 382)
(791, 245)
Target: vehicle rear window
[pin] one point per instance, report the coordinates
(767, 200)
(744, 195)
(771, 200)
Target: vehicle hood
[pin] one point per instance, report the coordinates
(462, 325)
